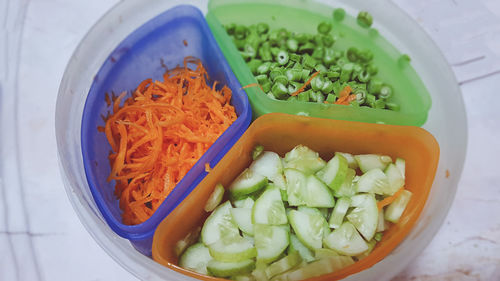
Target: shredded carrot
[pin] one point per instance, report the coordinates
(346, 91)
(447, 173)
(388, 200)
(160, 132)
(253, 85)
(305, 84)
(207, 167)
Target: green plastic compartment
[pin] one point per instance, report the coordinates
(304, 16)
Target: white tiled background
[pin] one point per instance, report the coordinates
(40, 235)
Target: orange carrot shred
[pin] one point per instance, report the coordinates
(207, 167)
(388, 200)
(346, 91)
(253, 85)
(305, 84)
(160, 132)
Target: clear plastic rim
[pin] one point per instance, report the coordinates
(145, 268)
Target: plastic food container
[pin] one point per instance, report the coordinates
(146, 53)
(446, 122)
(278, 133)
(304, 16)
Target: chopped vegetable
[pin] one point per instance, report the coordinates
(160, 132)
(309, 68)
(322, 219)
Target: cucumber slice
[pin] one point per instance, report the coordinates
(249, 238)
(396, 208)
(196, 258)
(304, 159)
(338, 213)
(297, 246)
(219, 224)
(243, 218)
(215, 198)
(268, 164)
(283, 265)
(346, 240)
(316, 193)
(365, 215)
(347, 188)
(232, 249)
(244, 278)
(351, 162)
(296, 181)
(396, 180)
(381, 221)
(324, 212)
(324, 253)
(257, 150)
(401, 164)
(269, 208)
(260, 272)
(308, 227)
(188, 240)
(270, 242)
(247, 182)
(374, 181)
(279, 181)
(367, 162)
(227, 269)
(320, 267)
(371, 244)
(334, 173)
(244, 203)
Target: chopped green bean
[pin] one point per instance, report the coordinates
(392, 106)
(279, 90)
(360, 95)
(331, 98)
(304, 96)
(346, 72)
(282, 58)
(375, 86)
(352, 54)
(339, 14)
(266, 86)
(385, 92)
(294, 74)
(292, 45)
(328, 41)
(240, 32)
(380, 104)
(281, 79)
(317, 83)
(365, 19)
(262, 28)
(253, 65)
(324, 27)
(264, 68)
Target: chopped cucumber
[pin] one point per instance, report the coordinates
(269, 208)
(295, 183)
(365, 215)
(374, 181)
(249, 238)
(268, 164)
(347, 188)
(320, 267)
(346, 240)
(371, 244)
(338, 213)
(304, 159)
(317, 194)
(219, 224)
(283, 265)
(215, 198)
(395, 178)
(401, 164)
(324, 253)
(260, 272)
(244, 203)
(227, 269)
(297, 246)
(247, 277)
(257, 150)
(270, 241)
(308, 227)
(247, 182)
(188, 240)
(196, 258)
(232, 249)
(334, 173)
(280, 181)
(396, 208)
(381, 221)
(351, 162)
(324, 212)
(243, 218)
(367, 162)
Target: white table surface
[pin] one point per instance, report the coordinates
(42, 239)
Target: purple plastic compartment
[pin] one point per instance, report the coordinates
(141, 55)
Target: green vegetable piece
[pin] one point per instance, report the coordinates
(318, 53)
(324, 27)
(317, 83)
(282, 58)
(365, 19)
(215, 198)
(352, 54)
(253, 65)
(308, 62)
(292, 98)
(333, 75)
(370, 100)
(302, 38)
(264, 52)
(305, 74)
(293, 74)
(240, 32)
(378, 236)
(385, 92)
(364, 76)
(308, 47)
(295, 58)
(292, 45)
(266, 87)
(275, 73)
(196, 258)
(372, 69)
(345, 74)
(261, 79)
(375, 86)
(264, 68)
(317, 97)
(331, 98)
(360, 95)
(226, 269)
(230, 28)
(339, 14)
(279, 90)
(380, 104)
(262, 28)
(327, 87)
(257, 151)
(328, 41)
(304, 96)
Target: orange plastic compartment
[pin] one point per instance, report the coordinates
(280, 133)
